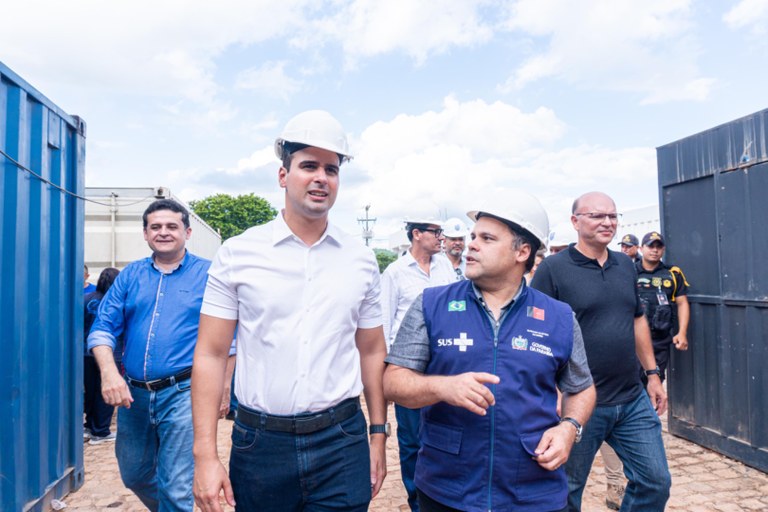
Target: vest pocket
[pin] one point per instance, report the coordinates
(439, 458)
(532, 480)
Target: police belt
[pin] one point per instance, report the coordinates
(158, 384)
(300, 423)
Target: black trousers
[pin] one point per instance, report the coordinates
(98, 414)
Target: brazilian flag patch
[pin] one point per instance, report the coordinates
(457, 305)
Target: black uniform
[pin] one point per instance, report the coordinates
(658, 292)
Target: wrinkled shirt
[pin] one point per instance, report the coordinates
(157, 312)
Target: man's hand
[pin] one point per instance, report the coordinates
(681, 341)
(378, 462)
(115, 390)
(210, 479)
(468, 390)
(555, 446)
(657, 395)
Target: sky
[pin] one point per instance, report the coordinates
(448, 104)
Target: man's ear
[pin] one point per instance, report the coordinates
(282, 174)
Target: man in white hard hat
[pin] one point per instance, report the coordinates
(305, 299)
(421, 266)
(600, 286)
(484, 358)
(455, 232)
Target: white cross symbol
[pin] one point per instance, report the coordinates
(463, 342)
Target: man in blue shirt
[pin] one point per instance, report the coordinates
(155, 302)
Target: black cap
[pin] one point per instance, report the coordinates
(653, 236)
(630, 240)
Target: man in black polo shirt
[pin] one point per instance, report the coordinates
(600, 286)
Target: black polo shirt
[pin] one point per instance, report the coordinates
(606, 304)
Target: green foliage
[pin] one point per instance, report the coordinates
(233, 215)
(384, 258)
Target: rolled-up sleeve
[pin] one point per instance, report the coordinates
(110, 317)
(411, 346)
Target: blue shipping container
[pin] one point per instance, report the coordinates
(42, 157)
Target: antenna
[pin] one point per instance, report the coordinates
(365, 222)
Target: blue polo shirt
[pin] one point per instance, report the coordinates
(157, 312)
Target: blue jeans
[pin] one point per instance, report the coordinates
(154, 447)
(633, 430)
(328, 470)
(408, 421)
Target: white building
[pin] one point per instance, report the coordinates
(114, 233)
(638, 221)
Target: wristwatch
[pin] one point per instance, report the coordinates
(385, 429)
(655, 371)
(575, 424)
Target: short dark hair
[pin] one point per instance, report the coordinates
(166, 204)
(522, 237)
(410, 226)
(289, 148)
(106, 278)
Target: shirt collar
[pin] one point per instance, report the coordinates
(281, 232)
(582, 260)
(181, 264)
(519, 293)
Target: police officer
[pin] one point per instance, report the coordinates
(629, 245)
(484, 358)
(663, 291)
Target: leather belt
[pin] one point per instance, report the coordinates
(158, 384)
(302, 423)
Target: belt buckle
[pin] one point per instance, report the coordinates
(308, 422)
(148, 385)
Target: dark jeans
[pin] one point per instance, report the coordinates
(408, 421)
(98, 414)
(328, 470)
(633, 430)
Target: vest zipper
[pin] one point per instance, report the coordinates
(493, 413)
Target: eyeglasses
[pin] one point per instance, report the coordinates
(435, 231)
(612, 217)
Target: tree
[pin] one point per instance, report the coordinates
(233, 215)
(384, 258)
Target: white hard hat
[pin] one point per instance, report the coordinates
(422, 220)
(315, 128)
(520, 209)
(562, 234)
(455, 228)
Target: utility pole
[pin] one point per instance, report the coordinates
(367, 231)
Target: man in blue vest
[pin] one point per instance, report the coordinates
(484, 358)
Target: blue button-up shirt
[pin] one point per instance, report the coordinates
(158, 313)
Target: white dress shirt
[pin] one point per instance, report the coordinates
(298, 308)
(403, 281)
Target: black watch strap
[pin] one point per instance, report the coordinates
(655, 371)
(575, 424)
(385, 429)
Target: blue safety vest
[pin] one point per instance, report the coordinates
(473, 462)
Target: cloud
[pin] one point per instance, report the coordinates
(269, 79)
(748, 14)
(647, 48)
(443, 163)
(367, 28)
